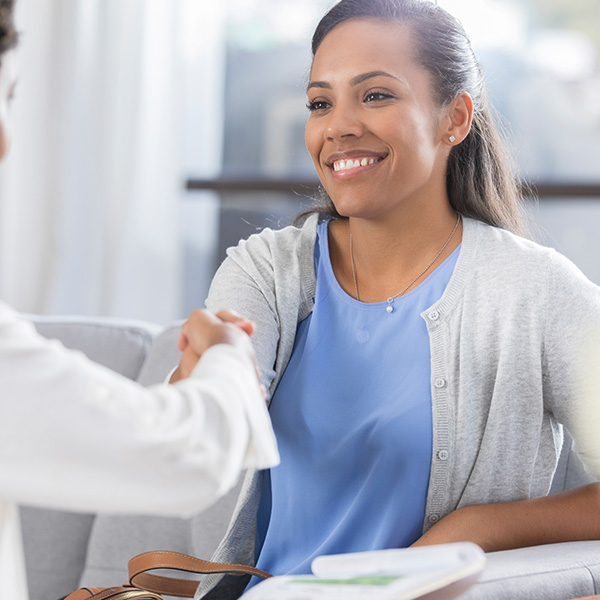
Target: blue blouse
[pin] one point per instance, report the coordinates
(352, 415)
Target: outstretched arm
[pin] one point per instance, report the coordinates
(566, 517)
(75, 435)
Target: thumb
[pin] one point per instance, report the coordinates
(231, 317)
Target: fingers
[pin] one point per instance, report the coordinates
(199, 329)
(182, 342)
(231, 317)
(203, 329)
(200, 318)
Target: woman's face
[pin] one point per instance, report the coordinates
(8, 79)
(375, 134)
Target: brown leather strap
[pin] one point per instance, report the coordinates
(82, 594)
(182, 588)
(112, 593)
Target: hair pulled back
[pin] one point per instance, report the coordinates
(8, 33)
(480, 176)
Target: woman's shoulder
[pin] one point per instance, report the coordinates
(493, 238)
(521, 259)
(499, 246)
(276, 245)
(278, 263)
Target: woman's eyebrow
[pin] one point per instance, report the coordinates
(354, 81)
(364, 76)
(318, 84)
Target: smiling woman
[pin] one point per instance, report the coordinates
(489, 194)
(412, 403)
(388, 115)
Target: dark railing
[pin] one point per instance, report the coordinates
(309, 186)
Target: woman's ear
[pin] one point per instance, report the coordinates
(459, 118)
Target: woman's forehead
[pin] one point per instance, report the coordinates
(366, 45)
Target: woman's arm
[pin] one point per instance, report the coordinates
(566, 517)
(78, 436)
(571, 355)
(269, 279)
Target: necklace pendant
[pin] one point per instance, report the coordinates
(389, 307)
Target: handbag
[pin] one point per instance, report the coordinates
(143, 585)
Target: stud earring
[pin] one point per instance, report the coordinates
(452, 139)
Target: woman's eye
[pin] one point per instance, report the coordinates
(317, 105)
(374, 96)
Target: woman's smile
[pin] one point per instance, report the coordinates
(350, 164)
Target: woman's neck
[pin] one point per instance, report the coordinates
(388, 254)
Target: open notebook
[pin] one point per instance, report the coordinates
(433, 572)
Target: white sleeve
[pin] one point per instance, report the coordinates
(77, 436)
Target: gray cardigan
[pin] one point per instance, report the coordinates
(510, 352)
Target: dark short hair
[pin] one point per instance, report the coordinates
(8, 34)
(480, 178)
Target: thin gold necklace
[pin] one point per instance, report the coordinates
(391, 299)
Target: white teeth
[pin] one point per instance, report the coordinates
(343, 165)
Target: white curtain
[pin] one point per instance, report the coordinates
(90, 195)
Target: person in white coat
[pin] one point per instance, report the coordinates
(78, 436)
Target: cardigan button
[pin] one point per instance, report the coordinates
(443, 454)
(440, 383)
(434, 315)
(434, 518)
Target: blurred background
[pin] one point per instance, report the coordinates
(149, 135)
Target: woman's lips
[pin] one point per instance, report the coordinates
(343, 168)
(354, 163)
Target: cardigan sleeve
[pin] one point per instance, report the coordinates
(270, 279)
(244, 283)
(572, 356)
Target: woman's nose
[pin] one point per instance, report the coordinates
(343, 121)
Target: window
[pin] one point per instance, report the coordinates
(541, 63)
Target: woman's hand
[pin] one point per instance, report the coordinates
(566, 517)
(203, 330)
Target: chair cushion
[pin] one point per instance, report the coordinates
(163, 356)
(116, 539)
(570, 472)
(117, 344)
(552, 572)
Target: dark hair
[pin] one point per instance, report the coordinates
(480, 176)
(8, 34)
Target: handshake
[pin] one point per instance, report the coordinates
(204, 329)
